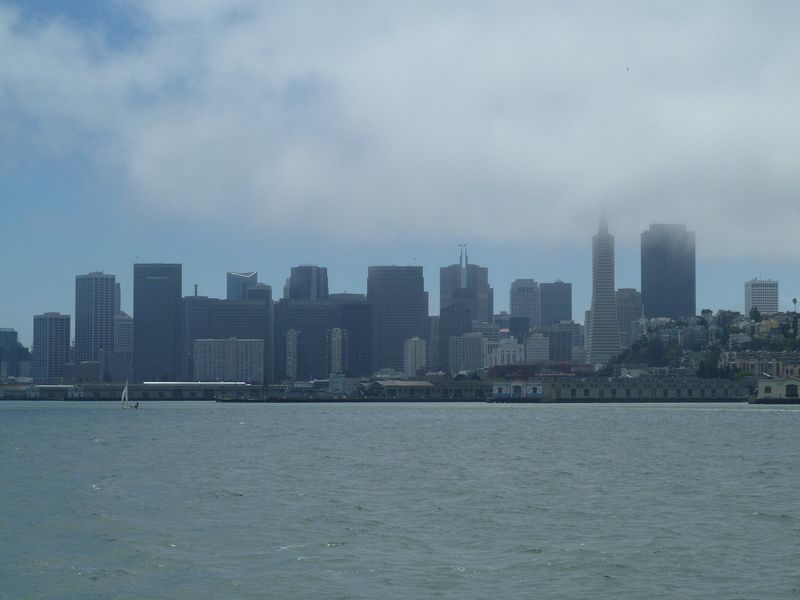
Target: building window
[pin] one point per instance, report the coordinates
(666, 392)
(767, 389)
(628, 393)
(573, 392)
(791, 390)
(690, 392)
(586, 392)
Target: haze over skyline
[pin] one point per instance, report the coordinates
(227, 136)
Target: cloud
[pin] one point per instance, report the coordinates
(375, 120)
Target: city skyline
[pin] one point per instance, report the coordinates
(116, 149)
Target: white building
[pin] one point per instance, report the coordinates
(603, 339)
(537, 347)
(337, 339)
(415, 356)
(229, 360)
(761, 294)
(507, 351)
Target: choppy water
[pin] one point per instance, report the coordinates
(399, 501)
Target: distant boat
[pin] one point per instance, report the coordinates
(125, 402)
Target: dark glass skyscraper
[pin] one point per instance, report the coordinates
(398, 312)
(156, 321)
(95, 308)
(556, 302)
(629, 310)
(238, 284)
(668, 272)
(308, 282)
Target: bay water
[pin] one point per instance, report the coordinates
(350, 501)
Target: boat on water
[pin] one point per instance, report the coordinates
(125, 402)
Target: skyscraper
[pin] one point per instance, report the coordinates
(238, 284)
(525, 300)
(470, 277)
(50, 346)
(668, 272)
(604, 340)
(629, 310)
(95, 308)
(308, 282)
(761, 294)
(156, 321)
(398, 311)
(415, 356)
(556, 302)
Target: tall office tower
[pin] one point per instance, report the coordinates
(398, 308)
(117, 299)
(156, 321)
(668, 272)
(95, 307)
(308, 282)
(470, 277)
(454, 321)
(761, 294)
(525, 300)
(604, 340)
(123, 333)
(466, 352)
(259, 291)
(50, 346)
(9, 359)
(238, 284)
(629, 311)
(556, 302)
(415, 356)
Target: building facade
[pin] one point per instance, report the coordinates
(525, 300)
(466, 352)
(629, 311)
(51, 341)
(761, 294)
(465, 276)
(234, 360)
(415, 356)
(308, 282)
(95, 308)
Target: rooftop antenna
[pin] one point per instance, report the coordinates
(462, 262)
(195, 289)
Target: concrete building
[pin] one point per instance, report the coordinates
(95, 308)
(604, 340)
(629, 312)
(466, 352)
(453, 321)
(556, 302)
(308, 282)
(525, 301)
(668, 272)
(761, 294)
(537, 348)
(398, 307)
(51, 346)
(415, 356)
(237, 284)
(234, 360)
(156, 323)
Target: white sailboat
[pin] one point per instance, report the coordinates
(125, 402)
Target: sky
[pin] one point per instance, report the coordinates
(238, 135)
